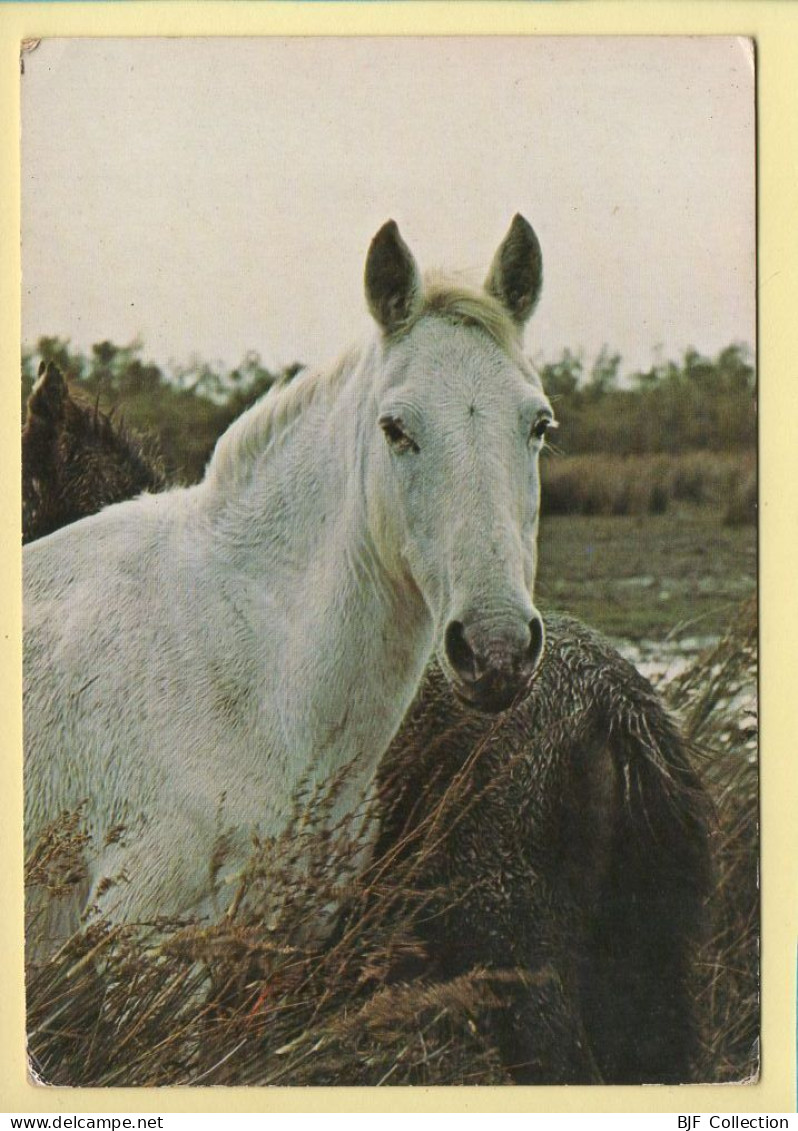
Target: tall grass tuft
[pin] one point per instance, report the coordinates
(717, 698)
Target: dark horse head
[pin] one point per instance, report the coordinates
(76, 460)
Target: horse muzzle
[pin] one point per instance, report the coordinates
(490, 667)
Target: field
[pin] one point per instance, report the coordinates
(680, 575)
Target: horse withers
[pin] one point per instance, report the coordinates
(192, 657)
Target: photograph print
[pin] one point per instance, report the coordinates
(389, 509)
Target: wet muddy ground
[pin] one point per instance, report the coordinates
(666, 583)
(665, 589)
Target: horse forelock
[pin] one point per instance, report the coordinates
(467, 306)
(461, 305)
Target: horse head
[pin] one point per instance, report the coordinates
(460, 419)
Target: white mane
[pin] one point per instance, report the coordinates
(249, 437)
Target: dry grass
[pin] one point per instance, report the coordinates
(235, 1003)
(173, 1003)
(717, 698)
(650, 484)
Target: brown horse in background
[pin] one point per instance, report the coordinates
(76, 459)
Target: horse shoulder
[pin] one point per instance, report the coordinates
(83, 598)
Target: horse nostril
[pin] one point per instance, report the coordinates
(459, 651)
(535, 648)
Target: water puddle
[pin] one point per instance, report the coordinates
(663, 660)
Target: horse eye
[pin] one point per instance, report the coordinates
(541, 427)
(396, 436)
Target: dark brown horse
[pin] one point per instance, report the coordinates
(77, 460)
(570, 844)
(563, 846)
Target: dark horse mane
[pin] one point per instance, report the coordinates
(565, 842)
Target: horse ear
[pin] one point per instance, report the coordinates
(516, 274)
(393, 282)
(47, 396)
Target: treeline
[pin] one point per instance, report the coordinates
(186, 410)
(695, 404)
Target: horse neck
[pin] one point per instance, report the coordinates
(346, 632)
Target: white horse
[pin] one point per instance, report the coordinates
(191, 657)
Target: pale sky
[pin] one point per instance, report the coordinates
(215, 196)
